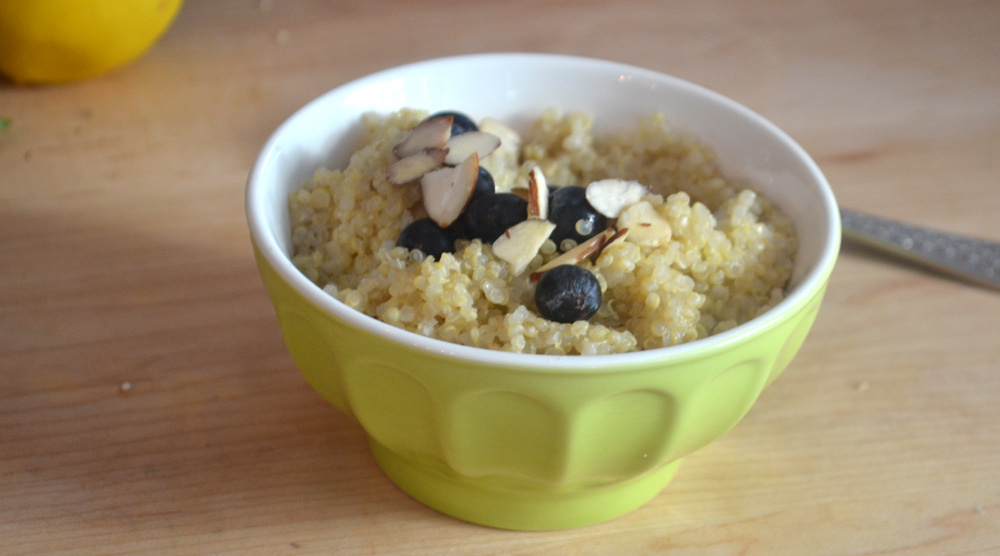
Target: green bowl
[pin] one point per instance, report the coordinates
(536, 442)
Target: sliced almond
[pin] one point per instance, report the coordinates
(521, 192)
(617, 236)
(520, 243)
(414, 166)
(431, 133)
(610, 196)
(647, 226)
(574, 255)
(464, 144)
(447, 191)
(509, 139)
(538, 194)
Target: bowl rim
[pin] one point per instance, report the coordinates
(264, 239)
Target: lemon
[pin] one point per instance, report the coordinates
(50, 41)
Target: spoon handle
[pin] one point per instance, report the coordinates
(968, 258)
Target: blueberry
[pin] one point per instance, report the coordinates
(484, 184)
(567, 294)
(488, 216)
(426, 236)
(460, 123)
(573, 216)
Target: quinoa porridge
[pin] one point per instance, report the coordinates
(722, 256)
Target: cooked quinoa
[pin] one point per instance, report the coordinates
(728, 260)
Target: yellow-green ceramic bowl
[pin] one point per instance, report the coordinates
(522, 441)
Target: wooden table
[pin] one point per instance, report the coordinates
(148, 405)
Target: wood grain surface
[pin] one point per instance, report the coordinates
(148, 405)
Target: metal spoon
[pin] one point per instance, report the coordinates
(970, 259)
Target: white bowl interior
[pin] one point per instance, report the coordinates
(515, 88)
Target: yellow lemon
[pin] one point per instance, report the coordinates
(48, 41)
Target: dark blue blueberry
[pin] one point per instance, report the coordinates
(426, 236)
(573, 216)
(488, 216)
(484, 184)
(460, 123)
(567, 294)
